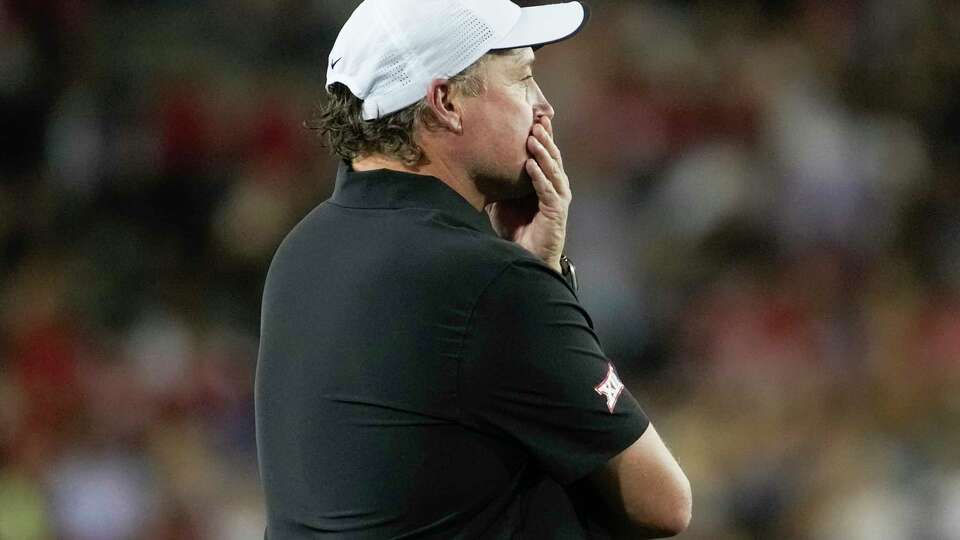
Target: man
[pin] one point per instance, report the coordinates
(426, 370)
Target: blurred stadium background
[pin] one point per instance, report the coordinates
(766, 221)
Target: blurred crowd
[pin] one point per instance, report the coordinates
(766, 220)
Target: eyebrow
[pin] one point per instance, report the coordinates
(524, 62)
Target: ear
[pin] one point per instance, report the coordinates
(447, 113)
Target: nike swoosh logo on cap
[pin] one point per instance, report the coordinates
(335, 62)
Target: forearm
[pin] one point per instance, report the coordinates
(602, 522)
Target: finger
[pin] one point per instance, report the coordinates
(541, 184)
(551, 168)
(547, 140)
(543, 157)
(547, 124)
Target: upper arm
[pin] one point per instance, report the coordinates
(641, 490)
(532, 371)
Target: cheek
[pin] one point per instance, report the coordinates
(516, 126)
(512, 137)
(504, 132)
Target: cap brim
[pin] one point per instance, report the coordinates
(543, 25)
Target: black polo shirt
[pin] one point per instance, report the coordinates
(420, 377)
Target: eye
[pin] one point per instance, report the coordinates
(527, 78)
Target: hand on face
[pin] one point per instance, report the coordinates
(539, 222)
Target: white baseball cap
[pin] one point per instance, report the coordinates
(389, 51)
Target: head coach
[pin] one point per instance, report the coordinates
(426, 369)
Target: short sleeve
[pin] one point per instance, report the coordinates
(533, 370)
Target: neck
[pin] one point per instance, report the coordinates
(457, 179)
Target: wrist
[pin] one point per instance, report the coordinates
(569, 272)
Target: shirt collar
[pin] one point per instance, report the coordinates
(385, 188)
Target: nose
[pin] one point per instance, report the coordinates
(542, 107)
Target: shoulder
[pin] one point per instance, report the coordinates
(500, 266)
(527, 296)
(421, 249)
(451, 247)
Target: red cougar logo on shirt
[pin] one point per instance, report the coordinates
(610, 388)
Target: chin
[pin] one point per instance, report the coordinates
(524, 184)
(519, 188)
(504, 187)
